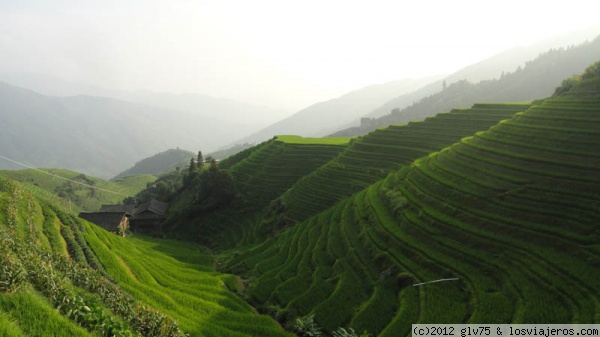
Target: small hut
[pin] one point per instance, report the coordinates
(143, 218)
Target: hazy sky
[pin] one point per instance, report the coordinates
(279, 53)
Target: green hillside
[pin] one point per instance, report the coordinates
(372, 157)
(260, 174)
(60, 276)
(159, 164)
(507, 217)
(275, 167)
(76, 191)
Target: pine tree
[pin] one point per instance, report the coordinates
(200, 161)
(214, 167)
(192, 166)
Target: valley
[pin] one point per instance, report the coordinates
(321, 236)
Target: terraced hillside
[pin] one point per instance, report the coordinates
(278, 164)
(261, 174)
(180, 280)
(373, 156)
(63, 277)
(504, 222)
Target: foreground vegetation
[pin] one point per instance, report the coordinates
(61, 276)
(181, 280)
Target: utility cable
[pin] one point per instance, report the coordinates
(59, 177)
(440, 280)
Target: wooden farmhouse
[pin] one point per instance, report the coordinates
(143, 218)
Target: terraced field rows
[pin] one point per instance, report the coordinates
(278, 164)
(56, 280)
(263, 174)
(372, 157)
(510, 215)
(182, 281)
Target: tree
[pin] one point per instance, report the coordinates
(214, 166)
(306, 326)
(566, 85)
(192, 167)
(200, 160)
(191, 172)
(444, 85)
(592, 71)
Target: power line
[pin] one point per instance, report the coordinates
(59, 177)
(440, 280)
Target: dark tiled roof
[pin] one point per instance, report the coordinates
(117, 208)
(109, 216)
(154, 206)
(107, 220)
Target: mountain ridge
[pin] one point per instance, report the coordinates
(537, 78)
(321, 118)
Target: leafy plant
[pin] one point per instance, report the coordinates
(341, 332)
(12, 275)
(306, 326)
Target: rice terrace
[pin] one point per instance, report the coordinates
(477, 214)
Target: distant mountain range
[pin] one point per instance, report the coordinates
(103, 136)
(159, 163)
(220, 109)
(325, 118)
(491, 68)
(93, 135)
(537, 78)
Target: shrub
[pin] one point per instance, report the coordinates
(306, 326)
(592, 71)
(341, 332)
(12, 275)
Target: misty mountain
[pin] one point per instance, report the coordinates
(253, 117)
(491, 68)
(93, 135)
(325, 117)
(223, 119)
(159, 163)
(538, 78)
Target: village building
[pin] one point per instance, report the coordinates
(142, 218)
(111, 221)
